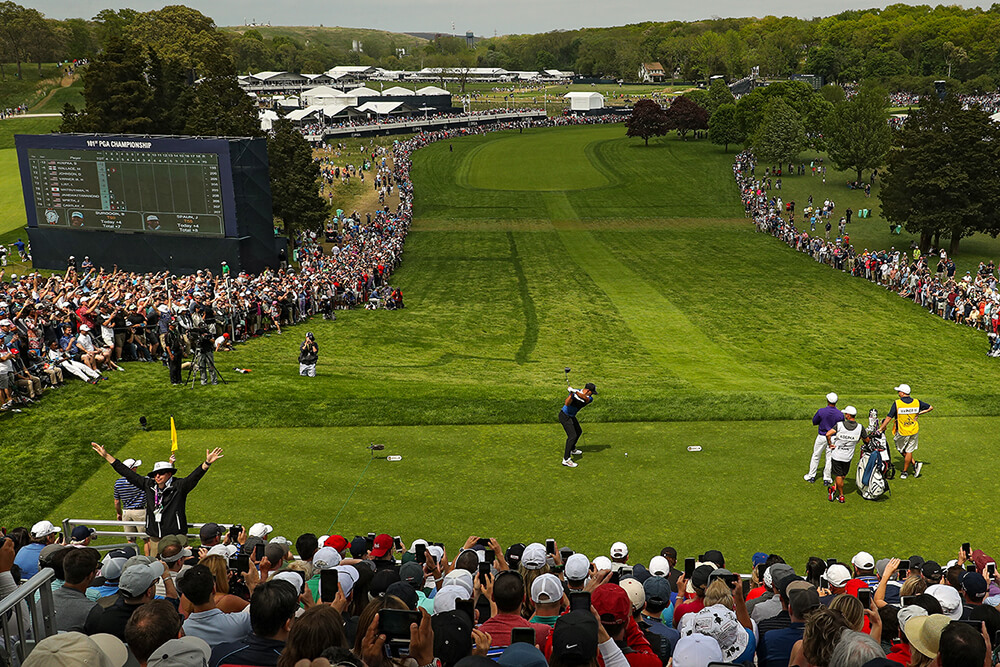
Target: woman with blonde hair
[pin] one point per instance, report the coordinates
(852, 609)
(223, 599)
(822, 631)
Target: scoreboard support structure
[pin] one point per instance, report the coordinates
(148, 203)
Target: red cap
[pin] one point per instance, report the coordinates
(382, 545)
(225, 335)
(338, 542)
(612, 600)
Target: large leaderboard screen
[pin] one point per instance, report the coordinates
(154, 186)
(126, 190)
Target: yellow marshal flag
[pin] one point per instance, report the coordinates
(173, 436)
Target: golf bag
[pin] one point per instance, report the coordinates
(875, 467)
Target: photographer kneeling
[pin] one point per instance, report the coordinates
(308, 356)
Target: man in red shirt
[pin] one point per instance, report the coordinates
(615, 609)
(699, 582)
(508, 594)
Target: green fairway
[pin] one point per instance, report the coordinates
(651, 283)
(11, 196)
(470, 475)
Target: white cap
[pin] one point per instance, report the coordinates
(460, 577)
(837, 575)
(43, 528)
(905, 388)
(259, 530)
(294, 578)
(832, 397)
(602, 563)
(84, 327)
(951, 601)
(851, 410)
(326, 558)
(534, 556)
(619, 550)
(863, 561)
(224, 550)
(546, 588)
(132, 463)
(347, 576)
(659, 566)
(577, 567)
(636, 593)
(696, 650)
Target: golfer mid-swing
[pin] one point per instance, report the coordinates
(577, 399)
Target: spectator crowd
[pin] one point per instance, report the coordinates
(928, 279)
(248, 597)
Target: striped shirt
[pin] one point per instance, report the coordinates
(131, 497)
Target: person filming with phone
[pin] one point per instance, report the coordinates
(308, 356)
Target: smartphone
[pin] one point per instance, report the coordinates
(689, 568)
(730, 579)
(483, 542)
(328, 582)
(484, 569)
(625, 572)
(991, 568)
(240, 564)
(579, 601)
(522, 636)
(258, 551)
(701, 558)
(421, 553)
(903, 569)
(831, 561)
(907, 600)
(865, 597)
(978, 625)
(615, 577)
(970, 566)
(967, 548)
(491, 557)
(395, 625)
(234, 533)
(468, 606)
(550, 546)
(370, 541)
(397, 542)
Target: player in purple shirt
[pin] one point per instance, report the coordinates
(824, 419)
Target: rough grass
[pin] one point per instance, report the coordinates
(695, 329)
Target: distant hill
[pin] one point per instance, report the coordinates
(333, 36)
(431, 35)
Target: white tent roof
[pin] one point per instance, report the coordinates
(362, 92)
(299, 114)
(288, 102)
(380, 107)
(398, 91)
(432, 90)
(322, 91)
(269, 114)
(332, 110)
(995, 117)
(582, 95)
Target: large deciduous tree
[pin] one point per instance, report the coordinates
(723, 129)
(294, 191)
(857, 132)
(780, 137)
(685, 115)
(648, 119)
(944, 179)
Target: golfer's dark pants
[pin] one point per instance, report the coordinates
(573, 431)
(175, 367)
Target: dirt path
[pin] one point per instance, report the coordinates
(64, 82)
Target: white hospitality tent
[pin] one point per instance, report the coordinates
(397, 91)
(267, 118)
(380, 108)
(301, 114)
(432, 90)
(583, 101)
(318, 94)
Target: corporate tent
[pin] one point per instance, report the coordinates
(584, 101)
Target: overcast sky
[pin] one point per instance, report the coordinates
(484, 17)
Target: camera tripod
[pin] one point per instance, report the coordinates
(203, 362)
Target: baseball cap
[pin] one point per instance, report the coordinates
(113, 564)
(592, 387)
(924, 633)
(951, 601)
(602, 563)
(522, 654)
(636, 593)
(412, 573)
(112, 647)
(657, 589)
(382, 545)
(137, 579)
(381, 581)
(696, 650)
(444, 601)
(81, 533)
(348, 576)
(293, 577)
(187, 651)
(574, 638)
(452, 636)
(359, 546)
(44, 528)
(460, 577)
(612, 604)
(404, 592)
(715, 556)
(908, 612)
(338, 542)
(326, 558)
(931, 570)
(619, 550)
(577, 567)
(721, 624)
(659, 566)
(69, 649)
(259, 530)
(837, 575)
(513, 554)
(905, 388)
(210, 531)
(863, 561)
(916, 562)
(758, 558)
(132, 463)
(975, 584)
(803, 600)
(701, 575)
(46, 553)
(851, 410)
(224, 550)
(534, 556)
(832, 397)
(546, 588)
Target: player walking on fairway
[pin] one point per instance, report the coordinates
(843, 440)
(825, 418)
(577, 399)
(905, 410)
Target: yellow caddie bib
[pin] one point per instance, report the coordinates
(906, 416)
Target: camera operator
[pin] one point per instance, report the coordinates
(204, 355)
(308, 356)
(174, 346)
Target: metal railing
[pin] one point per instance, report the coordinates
(68, 524)
(27, 618)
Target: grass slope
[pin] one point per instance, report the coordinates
(332, 36)
(696, 329)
